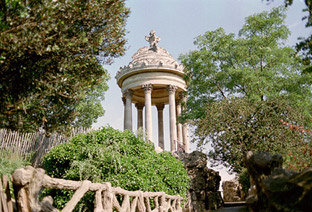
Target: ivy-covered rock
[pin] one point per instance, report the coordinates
(109, 155)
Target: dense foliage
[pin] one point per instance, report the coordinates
(240, 125)
(50, 60)
(244, 180)
(108, 155)
(241, 87)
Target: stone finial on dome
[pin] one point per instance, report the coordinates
(153, 40)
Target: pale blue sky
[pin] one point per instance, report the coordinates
(178, 22)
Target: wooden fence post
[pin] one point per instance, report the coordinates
(34, 189)
(108, 198)
(156, 201)
(147, 204)
(134, 204)
(141, 206)
(162, 206)
(3, 202)
(6, 187)
(21, 199)
(77, 196)
(179, 208)
(98, 205)
(20, 178)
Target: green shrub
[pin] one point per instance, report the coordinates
(10, 160)
(244, 180)
(109, 155)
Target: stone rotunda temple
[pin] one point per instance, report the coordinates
(154, 77)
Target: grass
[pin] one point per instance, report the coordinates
(10, 160)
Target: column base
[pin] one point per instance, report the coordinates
(158, 149)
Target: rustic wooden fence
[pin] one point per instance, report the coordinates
(28, 182)
(33, 143)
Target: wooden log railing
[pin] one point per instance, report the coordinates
(28, 183)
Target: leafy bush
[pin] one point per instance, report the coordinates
(244, 180)
(10, 160)
(109, 155)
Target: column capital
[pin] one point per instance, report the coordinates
(123, 100)
(171, 88)
(160, 106)
(139, 106)
(128, 93)
(147, 87)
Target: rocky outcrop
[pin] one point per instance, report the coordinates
(276, 189)
(203, 193)
(232, 191)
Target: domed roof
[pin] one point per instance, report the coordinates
(151, 58)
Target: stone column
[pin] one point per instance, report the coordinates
(128, 120)
(172, 117)
(139, 107)
(125, 115)
(160, 109)
(179, 125)
(185, 130)
(148, 111)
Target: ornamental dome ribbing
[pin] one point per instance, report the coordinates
(148, 57)
(151, 65)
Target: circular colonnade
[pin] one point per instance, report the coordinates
(155, 78)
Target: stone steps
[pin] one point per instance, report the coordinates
(234, 204)
(234, 207)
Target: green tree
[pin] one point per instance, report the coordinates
(238, 125)
(90, 108)
(108, 155)
(50, 60)
(304, 46)
(235, 81)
